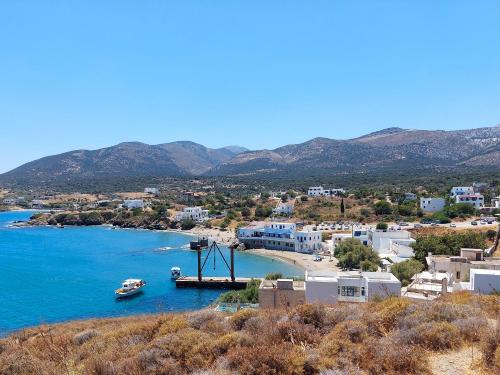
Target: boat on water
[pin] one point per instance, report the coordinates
(175, 273)
(130, 287)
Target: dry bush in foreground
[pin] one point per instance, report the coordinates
(394, 336)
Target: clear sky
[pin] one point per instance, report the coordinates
(89, 74)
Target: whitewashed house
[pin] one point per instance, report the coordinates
(392, 244)
(316, 191)
(430, 204)
(9, 201)
(307, 241)
(133, 203)
(461, 190)
(192, 213)
(484, 281)
(284, 208)
(152, 191)
(280, 236)
(410, 196)
(360, 234)
(495, 202)
(319, 191)
(351, 286)
(476, 200)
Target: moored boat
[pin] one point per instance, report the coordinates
(175, 273)
(130, 287)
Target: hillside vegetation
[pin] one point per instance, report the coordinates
(394, 336)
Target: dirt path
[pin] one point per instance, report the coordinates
(455, 363)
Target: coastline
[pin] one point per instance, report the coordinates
(303, 261)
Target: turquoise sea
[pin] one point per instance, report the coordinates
(52, 275)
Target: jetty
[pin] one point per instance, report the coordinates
(213, 282)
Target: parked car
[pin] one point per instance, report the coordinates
(403, 224)
(417, 226)
(473, 223)
(453, 225)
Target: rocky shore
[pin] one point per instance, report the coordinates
(125, 219)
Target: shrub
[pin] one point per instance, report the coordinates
(490, 344)
(439, 336)
(239, 319)
(382, 226)
(274, 276)
(284, 358)
(84, 336)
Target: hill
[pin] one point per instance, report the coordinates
(131, 159)
(392, 149)
(394, 336)
(389, 150)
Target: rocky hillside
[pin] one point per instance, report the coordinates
(124, 160)
(395, 336)
(392, 149)
(389, 149)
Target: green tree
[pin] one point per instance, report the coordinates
(245, 212)
(382, 208)
(342, 207)
(187, 224)
(382, 226)
(353, 254)
(448, 244)
(404, 271)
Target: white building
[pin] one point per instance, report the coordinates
(360, 234)
(330, 287)
(319, 191)
(484, 281)
(476, 200)
(461, 190)
(133, 203)
(152, 190)
(410, 197)
(284, 208)
(432, 204)
(192, 213)
(307, 241)
(392, 244)
(9, 201)
(280, 236)
(495, 202)
(316, 191)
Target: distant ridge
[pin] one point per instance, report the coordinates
(391, 149)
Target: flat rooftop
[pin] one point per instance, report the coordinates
(272, 284)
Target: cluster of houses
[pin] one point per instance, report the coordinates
(280, 236)
(460, 194)
(468, 271)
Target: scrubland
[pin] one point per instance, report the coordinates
(394, 336)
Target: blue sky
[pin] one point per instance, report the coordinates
(88, 74)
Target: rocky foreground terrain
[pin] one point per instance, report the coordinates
(394, 336)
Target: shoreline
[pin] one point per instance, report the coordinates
(300, 260)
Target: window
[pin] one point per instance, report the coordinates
(338, 290)
(458, 275)
(350, 291)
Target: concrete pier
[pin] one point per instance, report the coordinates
(212, 282)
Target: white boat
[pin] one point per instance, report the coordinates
(130, 287)
(175, 273)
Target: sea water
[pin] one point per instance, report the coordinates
(51, 275)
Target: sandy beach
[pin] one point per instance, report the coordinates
(304, 261)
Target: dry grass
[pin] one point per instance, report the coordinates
(394, 336)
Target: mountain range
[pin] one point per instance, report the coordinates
(389, 149)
